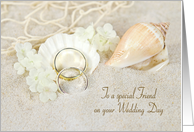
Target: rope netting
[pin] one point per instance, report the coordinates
(73, 9)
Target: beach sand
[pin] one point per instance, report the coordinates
(22, 109)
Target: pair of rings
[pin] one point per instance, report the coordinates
(70, 65)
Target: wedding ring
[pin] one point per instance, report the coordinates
(72, 86)
(69, 57)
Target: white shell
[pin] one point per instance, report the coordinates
(52, 45)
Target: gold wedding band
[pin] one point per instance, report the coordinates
(61, 63)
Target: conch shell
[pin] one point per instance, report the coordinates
(142, 47)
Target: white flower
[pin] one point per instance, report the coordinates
(103, 44)
(47, 90)
(33, 79)
(98, 42)
(32, 61)
(23, 49)
(85, 34)
(112, 43)
(38, 76)
(107, 31)
(49, 73)
(39, 80)
(20, 69)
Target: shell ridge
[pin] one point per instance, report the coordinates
(58, 41)
(55, 43)
(43, 52)
(64, 41)
(51, 46)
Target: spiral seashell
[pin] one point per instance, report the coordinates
(163, 27)
(140, 42)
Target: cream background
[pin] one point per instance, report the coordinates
(22, 110)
